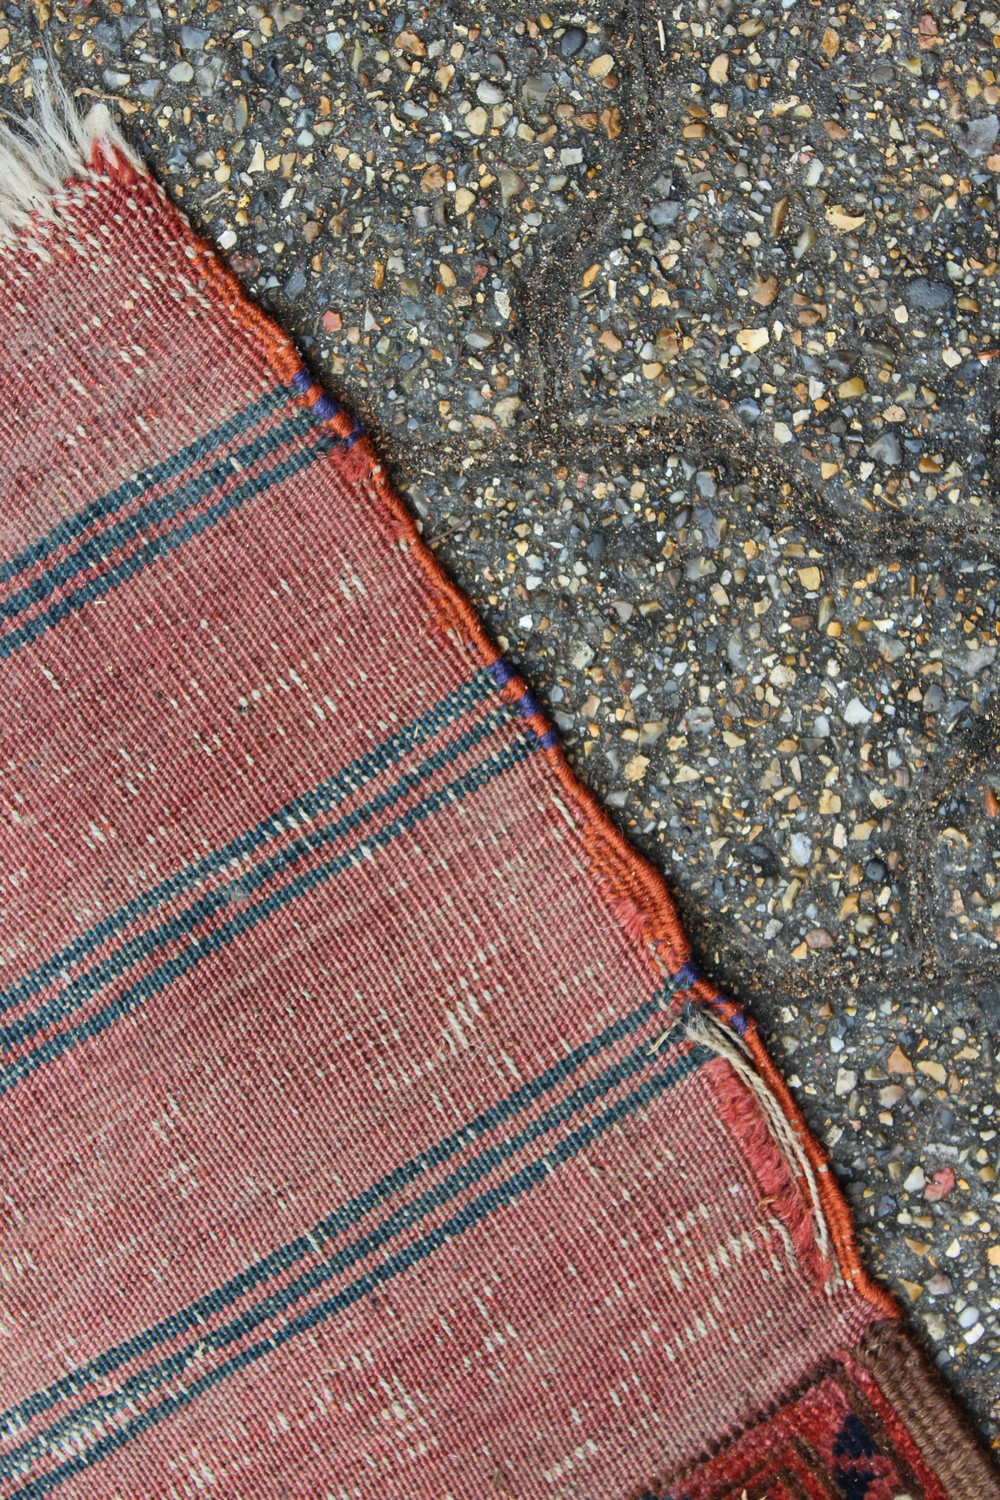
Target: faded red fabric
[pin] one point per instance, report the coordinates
(356, 1135)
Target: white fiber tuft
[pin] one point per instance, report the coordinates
(41, 155)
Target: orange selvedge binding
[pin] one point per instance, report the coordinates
(635, 890)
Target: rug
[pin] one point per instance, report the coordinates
(366, 1129)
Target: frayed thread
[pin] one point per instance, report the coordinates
(773, 1149)
(44, 159)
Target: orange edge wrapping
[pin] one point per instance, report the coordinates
(629, 877)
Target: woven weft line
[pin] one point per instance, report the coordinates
(366, 1131)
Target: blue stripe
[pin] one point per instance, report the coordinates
(161, 509)
(351, 779)
(160, 978)
(404, 1217)
(161, 546)
(170, 468)
(480, 1209)
(86, 986)
(341, 1219)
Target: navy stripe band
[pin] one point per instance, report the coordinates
(406, 1216)
(341, 1219)
(482, 1207)
(161, 546)
(162, 977)
(144, 944)
(162, 508)
(353, 776)
(170, 468)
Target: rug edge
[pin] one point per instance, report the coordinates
(937, 1433)
(635, 890)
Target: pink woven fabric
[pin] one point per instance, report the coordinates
(365, 1130)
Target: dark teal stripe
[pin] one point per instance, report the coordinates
(404, 1217)
(480, 1209)
(161, 546)
(170, 468)
(341, 1219)
(144, 944)
(161, 978)
(319, 799)
(165, 506)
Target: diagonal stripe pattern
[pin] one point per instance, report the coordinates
(366, 1130)
(569, 1121)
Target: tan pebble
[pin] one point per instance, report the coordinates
(408, 41)
(752, 339)
(601, 66)
(819, 938)
(933, 1070)
(764, 291)
(843, 219)
(636, 768)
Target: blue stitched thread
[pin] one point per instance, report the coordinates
(527, 704)
(325, 408)
(688, 975)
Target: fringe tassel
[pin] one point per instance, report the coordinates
(42, 159)
(773, 1146)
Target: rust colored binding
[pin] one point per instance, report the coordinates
(634, 888)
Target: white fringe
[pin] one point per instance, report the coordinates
(711, 1033)
(41, 155)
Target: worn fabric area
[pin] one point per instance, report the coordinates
(365, 1128)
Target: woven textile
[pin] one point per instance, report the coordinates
(366, 1131)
